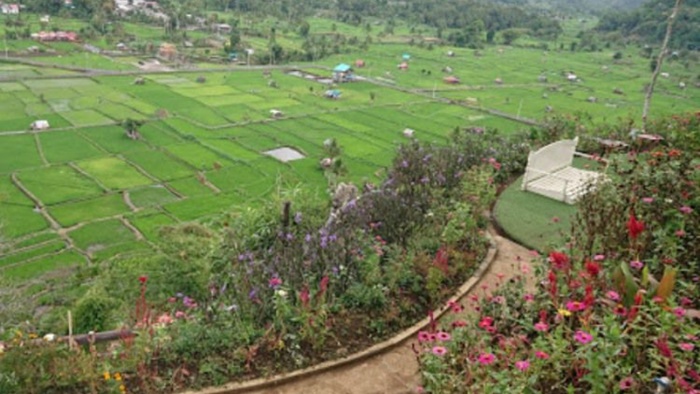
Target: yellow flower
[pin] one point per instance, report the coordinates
(564, 312)
(33, 336)
(122, 388)
(117, 376)
(106, 375)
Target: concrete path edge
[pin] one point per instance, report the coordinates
(261, 383)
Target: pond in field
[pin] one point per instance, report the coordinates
(285, 154)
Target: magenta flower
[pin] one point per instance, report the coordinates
(679, 312)
(439, 350)
(275, 282)
(636, 264)
(685, 209)
(541, 355)
(686, 347)
(522, 365)
(443, 336)
(680, 233)
(648, 200)
(529, 297)
(423, 336)
(541, 326)
(599, 257)
(613, 295)
(575, 306)
(487, 358)
(583, 337)
(626, 383)
(486, 322)
(620, 310)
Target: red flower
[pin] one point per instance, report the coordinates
(552, 278)
(143, 279)
(634, 226)
(324, 283)
(592, 268)
(486, 322)
(304, 296)
(663, 347)
(559, 260)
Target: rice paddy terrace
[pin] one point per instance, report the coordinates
(82, 191)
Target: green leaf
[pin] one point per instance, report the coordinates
(645, 276)
(629, 286)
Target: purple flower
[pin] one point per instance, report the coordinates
(307, 238)
(332, 238)
(290, 236)
(241, 257)
(424, 180)
(252, 294)
(686, 209)
(404, 164)
(324, 241)
(297, 218)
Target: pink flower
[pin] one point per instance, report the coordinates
(439, 350)
(680, 233)
(686, 347)
(529, 297)
(560, 261)
(486, 322)
(613, 295)
(522, 365)
(583, 337)
(541, 326)
(167, 319)
(620, 310)
(498, 300)
(420, 390)
(685, 209)
(555, 219)
(423, 336)
(443, 336)
(648, 200)
(487, 358)
(685, 301)
(525, 268)
(275, 282)
(626, 383)
(599, 257)
(575, 306)
(459, 323)
(541, 355)
(679, 312)
(180, 315)
(636, 264)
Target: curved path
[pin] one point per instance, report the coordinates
(396, 371)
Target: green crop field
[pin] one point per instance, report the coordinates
(90, 193)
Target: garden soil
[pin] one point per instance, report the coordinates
(396, 371)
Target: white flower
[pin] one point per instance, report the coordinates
(50, 337)
(281, 293)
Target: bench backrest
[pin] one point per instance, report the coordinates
(554, 156)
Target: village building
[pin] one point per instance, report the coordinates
(343, 73)
(39, 125)
(9, 9)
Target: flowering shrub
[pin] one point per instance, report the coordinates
(577, 332)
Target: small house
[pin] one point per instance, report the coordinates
(452, 80)
(332, 94)
(10, 9)
(450, 54)
(167, 50)
(571, 77)
(498, 81)
(121, 46)
(45, 19)
(39, 125)
(276, 114)
(342, 73)
(223, 28)
(403, 66)
(408, 133)
(406, 57)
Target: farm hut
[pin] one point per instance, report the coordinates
(40, 125)
(359, 63)
(406, 57)
(139, 81)
(571, 77)
(618, 91)
(447, 69)
(408, 133)
(471, 100)
(276, 114)
(498, 81)
(665, 75)
(342, 73)
(403, 66)
(450, 54)
(681, 85)
(332, 94)
(201, 79)
(542, 78)
(452, 80)
(592, 99)
(121, 46)
(45, 19)
(223, 28)
(167, 50)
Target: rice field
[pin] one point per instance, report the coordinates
(83, 192)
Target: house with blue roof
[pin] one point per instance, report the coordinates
(342, 73)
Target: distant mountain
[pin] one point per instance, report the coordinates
(577, 7)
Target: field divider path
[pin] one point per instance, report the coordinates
(202, 178)
(128, 202)
(40, 150)
(82, 172)
(139, 236)
(28, 248)
(39, 206)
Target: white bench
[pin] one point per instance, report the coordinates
(549, 173)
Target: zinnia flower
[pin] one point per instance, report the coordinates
(686, 347)
(487, 358)
(486, 322)
(583, 337)
(620, 310)
(529, 297)
(423, 336)
(636, 264)
(541, 327)
(564, 312)
(522, 365)
(143, 279)
(443, 336)
(679, 312)
(613, 295)
(541, 355)
(685, 209)
(648, 200)
(439, 350)
(459, 323)
(560, 261)
(575, 306)
(274, 282)
(626, 383)
(593, 268)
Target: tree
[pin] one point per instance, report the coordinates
(490, 35)
(304, 29)
(510, 35)
(659, 62)
(234, 39)
(131, 127)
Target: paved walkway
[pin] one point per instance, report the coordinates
(396, 372)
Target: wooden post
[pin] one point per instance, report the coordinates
(70, 331)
